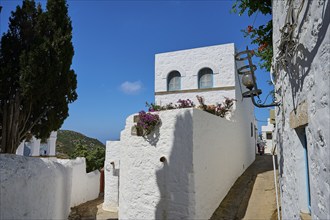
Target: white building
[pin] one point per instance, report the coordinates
(301, 42)
(34, 147)
(267, 136)
(207, 71)
(184, 168)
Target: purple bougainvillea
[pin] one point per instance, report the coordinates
(147, 122)
(185, 103)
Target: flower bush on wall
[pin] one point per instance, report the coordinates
(182, 103)
(220, 109)
(185, 103)
(223, 109)
(153, 107)
(147, 123)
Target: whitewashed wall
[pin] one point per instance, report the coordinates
(269, 128)
(34, 146)
(305, 83)
(34, 188)
(211, 97)
(85, 186)
(219, 58)
(244, 114)
(150, 189)
(221, 153)
(111, 176)
(195, 177)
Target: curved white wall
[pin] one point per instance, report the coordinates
(85, 186)
(34, 188)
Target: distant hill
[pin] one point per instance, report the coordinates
(67, 139)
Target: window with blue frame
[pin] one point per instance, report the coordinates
(205, 78)
(174, 81)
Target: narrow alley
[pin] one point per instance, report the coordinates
(253, 194)
(251, 197)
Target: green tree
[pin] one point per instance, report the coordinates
(95, 156)
(36, 79)
(262, 35)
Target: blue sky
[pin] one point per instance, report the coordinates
(115, 44)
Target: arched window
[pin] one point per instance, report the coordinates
(173, 81)
(205, 78)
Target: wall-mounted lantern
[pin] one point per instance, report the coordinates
(249, 80)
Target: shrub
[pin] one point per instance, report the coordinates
(147, 122)
(223, 109)
(185, 103)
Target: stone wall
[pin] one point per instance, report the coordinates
(34, 188)
(302, 70)
(182, 170)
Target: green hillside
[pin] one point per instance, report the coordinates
(67, 140)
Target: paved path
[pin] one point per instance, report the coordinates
(253, 194)
(92, 210)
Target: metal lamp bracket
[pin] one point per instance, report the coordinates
(249, 69)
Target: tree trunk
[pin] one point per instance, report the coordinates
(10, 126)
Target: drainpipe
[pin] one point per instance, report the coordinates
(275, 181)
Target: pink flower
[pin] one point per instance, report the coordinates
(262, 46)
(249, 29)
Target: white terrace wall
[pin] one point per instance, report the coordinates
(111, 176)
(219, 58)
(204, 156)
(34, 188)
(85, 186)
(303, 87)
(222, 150)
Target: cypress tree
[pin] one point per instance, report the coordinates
(36, 79)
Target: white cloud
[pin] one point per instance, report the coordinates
(131, 88)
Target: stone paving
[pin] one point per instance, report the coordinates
(253, 194)
(92, 210)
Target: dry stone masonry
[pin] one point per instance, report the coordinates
(302, 69)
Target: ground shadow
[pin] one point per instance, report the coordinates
(234, 205)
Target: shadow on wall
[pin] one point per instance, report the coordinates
(300, 65)
(281, 159)
(153, 138)
(173, 179)
(235, 204)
